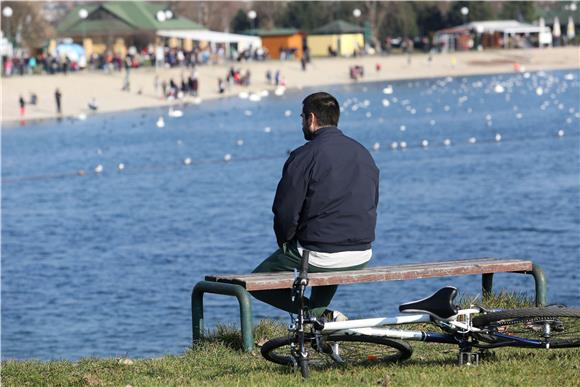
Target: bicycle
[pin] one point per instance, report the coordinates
(314, 341)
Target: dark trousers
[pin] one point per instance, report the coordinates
(287, 258)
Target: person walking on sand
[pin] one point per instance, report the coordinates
(326, 204)
(126, 82)
(57, 98)
(22, 104)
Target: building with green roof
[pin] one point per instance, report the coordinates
(115, 26)
(337, 37)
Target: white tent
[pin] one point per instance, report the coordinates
(557, 32)
(243, 41)
(506, 27)
(570, 30)
(510, 27)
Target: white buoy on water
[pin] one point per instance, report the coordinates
(388, 89)
(121, 167)
(99, 168)
(424, 143)
(386, 102)
(472, 140)
(376, 146)
(187, 161)
(447, 142)
(561, 133)
(497, 137)
(240, 142)
(394, 145)
(227, 157)
(267, 129)
(175, 113)
(287, 113)
(160, 122)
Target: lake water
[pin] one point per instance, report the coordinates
(103, 265)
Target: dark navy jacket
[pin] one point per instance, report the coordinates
(328, 195)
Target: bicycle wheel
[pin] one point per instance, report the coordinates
(547, 327)
(350, 349)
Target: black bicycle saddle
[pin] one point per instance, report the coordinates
(440, 304)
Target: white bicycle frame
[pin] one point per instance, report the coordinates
(376, 326)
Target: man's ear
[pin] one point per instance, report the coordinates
(313, 120)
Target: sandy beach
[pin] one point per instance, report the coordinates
(80, 88)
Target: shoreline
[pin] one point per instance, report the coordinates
(79, 88)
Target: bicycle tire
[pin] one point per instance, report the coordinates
(527, 323)
(354, 349)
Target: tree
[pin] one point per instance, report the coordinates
(306, 15)
(268, 12)
(241, 22)
(27, 26)
(400, 20)
(478, 11)
(216, 16)
(524, 11)
(429, 18)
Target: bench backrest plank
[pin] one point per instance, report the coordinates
(283, 280)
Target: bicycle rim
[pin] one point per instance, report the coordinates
(526, 327)
(352, 350)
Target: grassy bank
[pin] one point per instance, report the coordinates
(218, 361)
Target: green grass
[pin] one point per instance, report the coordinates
(218, 361)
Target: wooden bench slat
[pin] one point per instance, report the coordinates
(283, 280)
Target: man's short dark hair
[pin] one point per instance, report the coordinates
(324, 106)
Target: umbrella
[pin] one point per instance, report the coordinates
(570, 31)
(557, 30)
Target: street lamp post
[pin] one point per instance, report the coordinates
(7, 12)
(83, 14)
(464, 13)
(252, 15)
(357, 14)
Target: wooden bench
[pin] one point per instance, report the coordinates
(238, 285)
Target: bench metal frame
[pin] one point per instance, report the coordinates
(246, 317)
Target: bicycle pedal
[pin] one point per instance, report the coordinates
(468, 358)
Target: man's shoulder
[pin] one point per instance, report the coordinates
(303, 150)
(354, 144)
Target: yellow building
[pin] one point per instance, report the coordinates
(336, 38)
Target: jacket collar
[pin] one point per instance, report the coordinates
(325, 130)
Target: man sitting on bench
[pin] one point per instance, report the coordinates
(326, 203)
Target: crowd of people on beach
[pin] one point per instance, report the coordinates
(42, 63)
(169, 89)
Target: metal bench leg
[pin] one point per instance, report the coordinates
(229, 290)
(541, 286)
(539, 279)
(487, 284)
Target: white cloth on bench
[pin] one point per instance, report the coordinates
(337, 260)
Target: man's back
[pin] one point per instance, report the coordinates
(335, 182)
